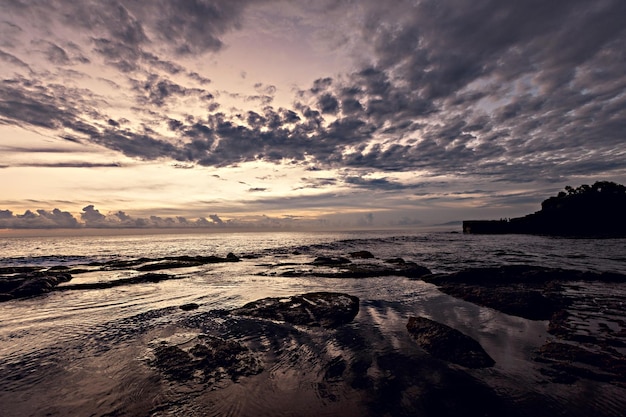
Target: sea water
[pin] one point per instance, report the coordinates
(84, 352)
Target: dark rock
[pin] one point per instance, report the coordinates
(361, 270)
(362, 254)
(189, 307)
(30, 285)
(174, 362)
(408, 269)
(569, 362)
(139, 279)
(6, 297)
(525, 291)
(206, 358)
(396, 261)
(171, 262)
(448, 344)
(59, 268)
(325, 309)
(5, 270)
(231, 257)
(327, 261)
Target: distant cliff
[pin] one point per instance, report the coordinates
(587, 211)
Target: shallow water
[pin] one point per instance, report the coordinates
(87, 352)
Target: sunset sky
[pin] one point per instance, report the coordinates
(312, 114)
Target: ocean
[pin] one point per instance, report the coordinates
(90, 352)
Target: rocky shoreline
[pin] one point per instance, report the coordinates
(559, 297)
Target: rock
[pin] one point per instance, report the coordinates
(325, 309)
(189, 307)
(396, 261)
(327, 261)
(446, 343)
(362, 254)
(139, 279)
(206, 358)
(30, 285)
(568, 362)
(171, 262)
(174, 362)
(525, 291)
(18, 269)
(358, 270)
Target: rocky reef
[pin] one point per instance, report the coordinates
(446, 343)
(23, 282)
(323, 309)
(206, 358)
(581, 308)
(30, 284)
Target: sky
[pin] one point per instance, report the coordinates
(287, 114)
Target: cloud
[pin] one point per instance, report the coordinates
(501, 91)
(12, 59)
(40, 219)
(69, 165)
(375, 183)
(197, 77)
(216, 219)
(157, 91)
(92, 217)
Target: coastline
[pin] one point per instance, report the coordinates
(110, 337)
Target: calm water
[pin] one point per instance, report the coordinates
(87, 352)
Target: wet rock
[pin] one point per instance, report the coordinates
(359, 270)
(325, 309)
(328, 261)
(231, 257)
(5, 270)
(189, 307)
(185, 262)
(139, 279)
(174, 362)
(362, 254)
(524, 291)
(206, 358)
(396, 261)
(30, 285)
(407, 269)
(568, 362)
(446, 343)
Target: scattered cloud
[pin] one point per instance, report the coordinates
(502, 93)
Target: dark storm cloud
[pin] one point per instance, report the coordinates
(375, 183)
(508, 91)
(25, 102)
(123, 29)
(328, 104)
(156, 90)
(441, 58)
